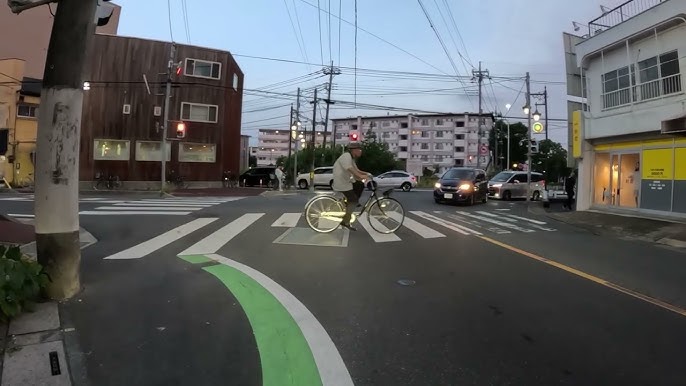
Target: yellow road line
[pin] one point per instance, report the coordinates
(587, 276)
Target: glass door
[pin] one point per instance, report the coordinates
(614, 179)
(630, 180)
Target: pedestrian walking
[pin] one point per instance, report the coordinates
(279, 177)
(570, 183)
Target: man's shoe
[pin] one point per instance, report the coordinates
(348, 226)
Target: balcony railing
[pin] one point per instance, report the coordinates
(643, 92)
(620, 14)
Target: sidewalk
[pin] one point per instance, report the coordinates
(622, 225)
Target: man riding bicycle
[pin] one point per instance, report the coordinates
(344, 170)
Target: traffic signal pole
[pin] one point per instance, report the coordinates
(165, 126)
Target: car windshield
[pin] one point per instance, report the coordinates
(458, 174)
(502, 177)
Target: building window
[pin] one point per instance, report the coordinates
(459, 136)
(439, 122)
(425, 122)
(27, 111)
(425, 134)
(424, 158)
(439, 134)
(203, 69)
(659, 76)
(151, 151)
(424, 146)
(197, 152)
(111, 150)
(459, 124)
(196, 112)
(438, 146)
(460, 149)
(403, 125)
(616, 86)
(385, 124)
(235, 82)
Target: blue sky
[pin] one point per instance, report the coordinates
(508, 37)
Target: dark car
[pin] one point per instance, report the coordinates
(258, 176)
(462, 185)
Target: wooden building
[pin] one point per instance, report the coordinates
(121, 114)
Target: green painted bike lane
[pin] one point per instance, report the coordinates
(294, 348)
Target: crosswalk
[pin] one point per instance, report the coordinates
(417, 224)
(176, 206)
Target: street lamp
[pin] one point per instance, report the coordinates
(537, 115)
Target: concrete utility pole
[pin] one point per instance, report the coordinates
(312, 140)
(528, 141)
(297, 139)
(479, 75)
(331, 72)
(545, 101)
(165, 125)
(57, 148)
(290, 133)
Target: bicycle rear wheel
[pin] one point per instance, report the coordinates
(324, 214)
(386, 215)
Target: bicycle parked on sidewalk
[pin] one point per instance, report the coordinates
(110, 181)
(324, 213)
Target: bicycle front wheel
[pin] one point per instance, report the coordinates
(386, 215)
(324, 214)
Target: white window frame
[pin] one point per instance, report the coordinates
(186, 67)
(31, 107)
(182, 152)
(121, 158)
(191, 104)
(168, 151)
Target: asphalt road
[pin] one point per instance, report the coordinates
(241, 293)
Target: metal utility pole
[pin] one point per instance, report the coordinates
(480, 77)
(57, 148)
(297, 138)
(496, 140)
(528, 141)
(331, 72)
(545, 101)
(165, 125)
(312, 141)
(290, 133)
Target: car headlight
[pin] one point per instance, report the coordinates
(465, 186)
(497, 185)
(437, 185)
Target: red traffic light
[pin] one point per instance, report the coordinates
(181, 130)
(178, 70)
(353, 136)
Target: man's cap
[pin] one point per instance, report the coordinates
(354, 145)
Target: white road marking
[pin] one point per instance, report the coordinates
(213, 242)
(287, 220)
(147, 207)
(452, 226)
(503, 209)
(17, 215)
(145, 248)
(161, 205)
(527, 219)
(331, 367)
(416, 226)
(500, 223)
(476, 224)
(167, 202)
(514, 220)
(376, 236)
(115, 213)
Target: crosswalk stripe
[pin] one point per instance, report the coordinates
(416, 226)
(450, 225)
(287, 220)
(161, 205)
(145, 248)
(526, 219)
(376, 236)
(184, 208)
(213, 242)
(130, 212)
(513, 218)
(181, 202)
(500, 223)
(476, 224)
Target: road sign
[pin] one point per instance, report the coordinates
(483, 149)
(537, 128)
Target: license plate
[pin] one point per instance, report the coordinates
(448, 195)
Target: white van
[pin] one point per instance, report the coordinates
(511, 184)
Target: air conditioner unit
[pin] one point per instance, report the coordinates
(157, 111)
(126, 109)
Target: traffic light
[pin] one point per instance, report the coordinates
(179, 69)
(353, 136)
(180, 130)
(534, 146)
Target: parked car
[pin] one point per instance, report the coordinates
(258, 176)
(395, 179)
(323, 176)
(510, 184)
(462, 184)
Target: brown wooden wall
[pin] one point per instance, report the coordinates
(115, 70)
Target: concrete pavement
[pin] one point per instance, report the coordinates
(489, 294)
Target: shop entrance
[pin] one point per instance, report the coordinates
(617, 179)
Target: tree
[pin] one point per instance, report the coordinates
(518, 133)
(551, 160)
(376, 158)
(322, 157)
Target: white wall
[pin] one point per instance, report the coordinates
(638, 117)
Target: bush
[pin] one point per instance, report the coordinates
(21, 282)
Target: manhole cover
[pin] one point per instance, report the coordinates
(406, 282)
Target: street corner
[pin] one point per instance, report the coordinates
(294, 347)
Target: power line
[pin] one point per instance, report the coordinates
(171, 33)
(319, 16)
(300, 46)
(356, 29)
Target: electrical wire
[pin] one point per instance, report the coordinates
(171, 33)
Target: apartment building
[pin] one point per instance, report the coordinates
(629, 138)
(273, 143)
(432, 140)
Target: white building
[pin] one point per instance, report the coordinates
(273, 144)
(444, 140)
(629, 140)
